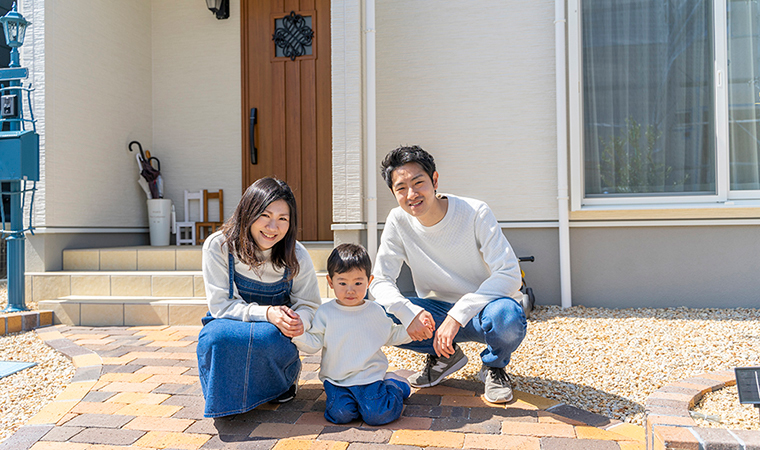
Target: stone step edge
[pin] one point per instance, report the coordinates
(24, 321)
(122, 273)
(87, 273)
(670, 426)
(138, 299)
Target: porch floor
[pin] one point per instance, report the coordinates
(137, 387)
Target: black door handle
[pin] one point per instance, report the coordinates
(252, 136)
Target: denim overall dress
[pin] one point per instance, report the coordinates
(244, 364)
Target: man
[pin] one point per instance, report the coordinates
(465, 273)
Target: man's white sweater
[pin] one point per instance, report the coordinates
(463, 259)
(350, 338)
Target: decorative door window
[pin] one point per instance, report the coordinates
(293, 35)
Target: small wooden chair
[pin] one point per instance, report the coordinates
(205, 228)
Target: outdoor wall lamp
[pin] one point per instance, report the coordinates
(220, 8)
(14, 27)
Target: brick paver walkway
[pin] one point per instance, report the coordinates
(138, 388)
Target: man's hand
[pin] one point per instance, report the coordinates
(422, 327)
(286, 320)
(444, 337)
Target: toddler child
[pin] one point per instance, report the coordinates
(350, 332)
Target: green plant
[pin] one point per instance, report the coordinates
(625, 167)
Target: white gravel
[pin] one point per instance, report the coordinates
(721, 409)
(24, 393)
(608, 361)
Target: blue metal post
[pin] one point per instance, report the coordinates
(15, 243)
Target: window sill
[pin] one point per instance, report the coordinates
(738, 209)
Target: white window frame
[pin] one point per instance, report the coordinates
(577, 169)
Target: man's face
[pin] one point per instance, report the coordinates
(414, 189)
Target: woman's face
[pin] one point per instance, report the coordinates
(272, 225)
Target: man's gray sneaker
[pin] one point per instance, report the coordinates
(498, 384)
(438, 368)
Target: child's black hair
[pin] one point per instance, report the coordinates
(346, 257)
(405, 155)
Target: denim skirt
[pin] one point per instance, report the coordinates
(244, 364)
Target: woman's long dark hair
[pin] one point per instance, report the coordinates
(237, 229)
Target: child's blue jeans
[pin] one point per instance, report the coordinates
(376, 403)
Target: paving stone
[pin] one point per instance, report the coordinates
(287, 431)
(190, 412)
(107, 436)
(187, 400)
(555, 443)
(751, 438)
(175, 389)
(231, 425)
(25, 437)
(488, 441)
(193, 372)
(571, 412)
(405, 423)
(99, 420)
(238, 443)
(422, 399)
(297, 405)
(674, 437)
(466, 425)
(277, 416)
(146, 423)
(96, 408)
(153, 362)
(538, 429)
(203, 426)
(121, 368)
(718, 439)
(90, 373)
(436, 411)
(137, 409)
(515, 414)
(353, 434)
(427, 438)
(61, 434)
(187, 363)
(97, 396)
(163, 370)
(364, 446)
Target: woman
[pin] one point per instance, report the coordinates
(262, 291)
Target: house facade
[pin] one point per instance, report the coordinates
(615, 141)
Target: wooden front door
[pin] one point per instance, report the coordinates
(287, 80)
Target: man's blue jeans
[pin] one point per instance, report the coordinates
(501, 325)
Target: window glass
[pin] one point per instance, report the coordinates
(648, 101)
(744, 93)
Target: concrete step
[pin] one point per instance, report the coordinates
(98, 311)
(53, 285)
(147, 258)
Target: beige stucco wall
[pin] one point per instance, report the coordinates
(473, 83)
(196, 100)
(96, 60)
(107, 73)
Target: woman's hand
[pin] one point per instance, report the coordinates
(286, 320)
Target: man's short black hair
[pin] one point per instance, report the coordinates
(405, 155)
(347, 257)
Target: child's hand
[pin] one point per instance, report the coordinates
(286, 320)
